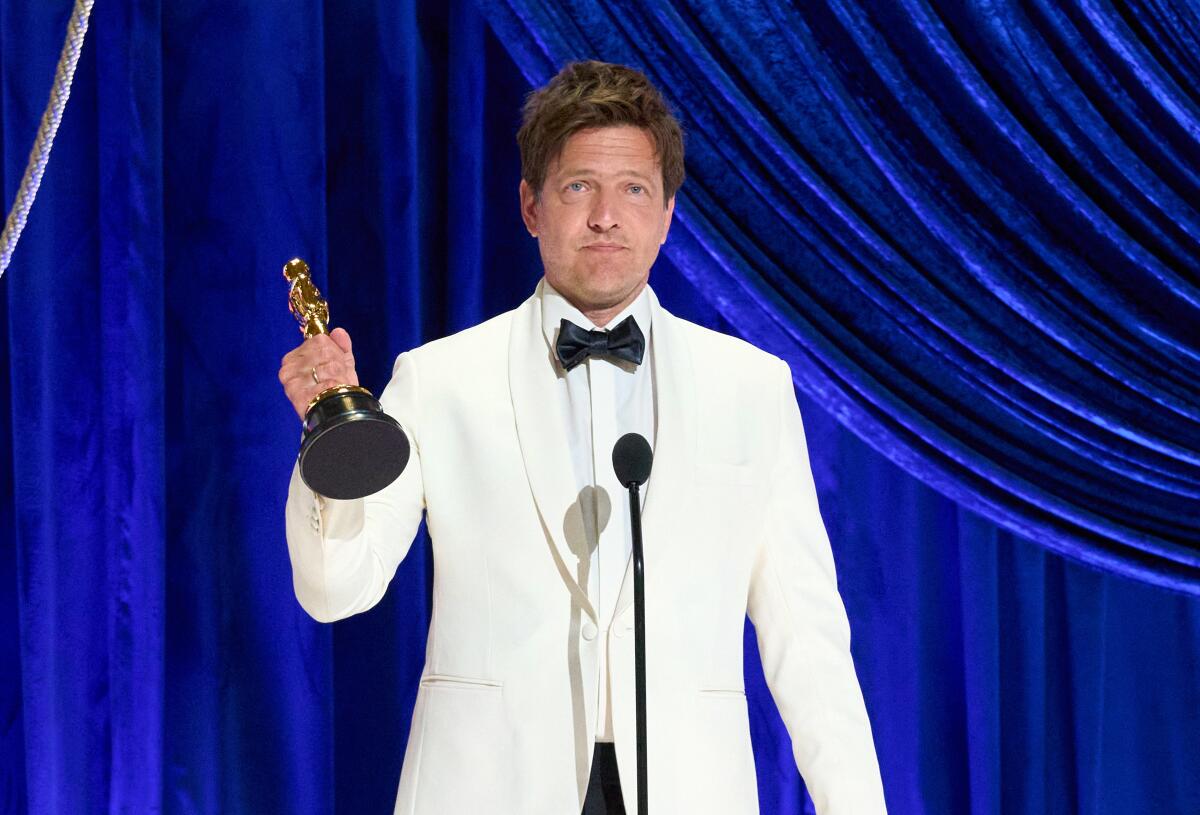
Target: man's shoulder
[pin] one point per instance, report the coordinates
(464, 365)
(487, 338)
(725, 354)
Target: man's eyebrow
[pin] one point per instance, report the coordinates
(573, 171)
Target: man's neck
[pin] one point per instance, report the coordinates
(603, 316)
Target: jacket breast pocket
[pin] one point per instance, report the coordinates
(464, 739)
(458, 682)
(720, 756)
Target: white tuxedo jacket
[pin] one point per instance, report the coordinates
(505, 718)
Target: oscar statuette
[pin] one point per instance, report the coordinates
(350, 447)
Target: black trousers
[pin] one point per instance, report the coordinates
(604, 786)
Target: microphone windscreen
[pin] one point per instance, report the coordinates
(632, 458)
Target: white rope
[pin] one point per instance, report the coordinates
(39, 156)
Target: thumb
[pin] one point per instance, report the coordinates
(341, 338)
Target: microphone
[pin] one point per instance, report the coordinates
(632, 458)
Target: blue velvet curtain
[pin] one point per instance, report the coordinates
(925, 267)
(971, 227)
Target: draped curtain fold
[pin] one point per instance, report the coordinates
(971, 228)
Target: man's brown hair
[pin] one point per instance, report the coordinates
(591, 94)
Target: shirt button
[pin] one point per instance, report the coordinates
(589, 632)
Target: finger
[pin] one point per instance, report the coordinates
(309, 351)
(318, 376)
(297, 368)
(306, 375)
(295, 357)
(302, 392)
(330, 354)
(335, 372)
(319, 345)
(301, 381)
(341, 338)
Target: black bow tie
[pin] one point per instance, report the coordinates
(575, 344)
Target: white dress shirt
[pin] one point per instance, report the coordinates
(602, 399)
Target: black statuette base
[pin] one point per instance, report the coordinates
(351, 448)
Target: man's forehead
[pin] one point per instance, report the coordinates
(613, 150)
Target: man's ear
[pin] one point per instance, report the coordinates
(529, 204)
(670, 211)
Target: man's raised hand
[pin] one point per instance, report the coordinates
(321, 361)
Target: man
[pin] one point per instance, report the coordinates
(526, 702)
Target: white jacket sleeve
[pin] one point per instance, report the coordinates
(804, 636)
(344, 553)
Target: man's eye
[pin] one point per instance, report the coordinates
(575, 186)
(637, 189)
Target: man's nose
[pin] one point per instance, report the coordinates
(603, 216)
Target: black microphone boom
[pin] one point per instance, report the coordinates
(632, 458)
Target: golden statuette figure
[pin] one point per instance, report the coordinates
(350, 447)
(305, 300)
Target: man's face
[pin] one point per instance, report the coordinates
(600, 218)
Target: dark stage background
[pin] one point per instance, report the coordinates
(970, 228)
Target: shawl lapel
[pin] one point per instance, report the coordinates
(667, 491)
(542, 435)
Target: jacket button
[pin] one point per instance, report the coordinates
(589, 632)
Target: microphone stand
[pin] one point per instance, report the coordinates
(639, 645)
(632, 460)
